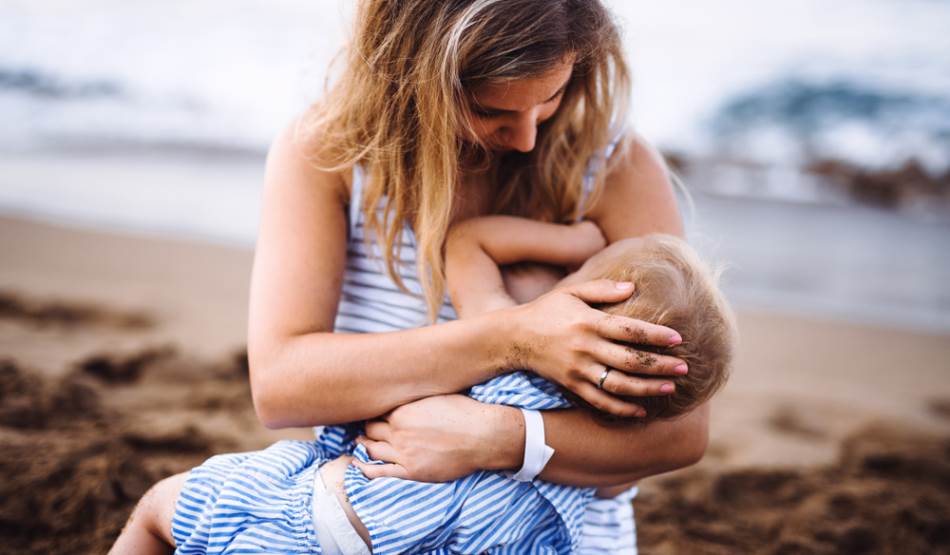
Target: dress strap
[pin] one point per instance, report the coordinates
(356, 196)
(594, 165)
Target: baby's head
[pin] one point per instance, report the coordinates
(673, 287)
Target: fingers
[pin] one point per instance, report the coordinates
(631, 330)
(601, 291)
(377, 430)
(619, 383)
(378, 450)
(605, 402)
(372, 471)
(631, 360)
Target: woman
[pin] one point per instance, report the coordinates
(444, 111)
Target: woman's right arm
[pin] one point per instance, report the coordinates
(303, 374)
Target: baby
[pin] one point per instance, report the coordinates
(673, 288)
(308, 497)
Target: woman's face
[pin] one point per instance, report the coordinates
(506, 115)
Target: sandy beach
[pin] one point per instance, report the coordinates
(813, 141)
(122, 361)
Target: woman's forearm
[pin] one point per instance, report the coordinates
(592, 454)
(328, 378)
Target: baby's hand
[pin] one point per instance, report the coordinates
(589, 239)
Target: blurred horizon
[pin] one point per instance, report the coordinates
(864, 81)
(815, 138)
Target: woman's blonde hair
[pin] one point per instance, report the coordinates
(402, 104)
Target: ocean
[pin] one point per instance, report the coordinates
(862, 80)
(164, 111)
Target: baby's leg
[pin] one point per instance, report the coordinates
(149, 529)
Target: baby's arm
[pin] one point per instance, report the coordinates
(475, 248)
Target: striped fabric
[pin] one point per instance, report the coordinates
(246, 503)
(371, 302)
(261, 502)
(482, 512)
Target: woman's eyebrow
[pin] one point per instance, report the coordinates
(488, 109)
(556, 93)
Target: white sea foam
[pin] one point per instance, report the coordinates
(782, 77)
(232, 72)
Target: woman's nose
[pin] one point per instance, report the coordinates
(522, 133)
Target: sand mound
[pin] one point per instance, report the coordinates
(46, 312)
(888, 493)
(114, 368)
(77, 452)
(74, 465)
(27, 401)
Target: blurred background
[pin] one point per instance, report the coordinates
(813, 138)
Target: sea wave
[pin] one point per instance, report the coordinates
(859, 122)
(38, 83)
(868, 83)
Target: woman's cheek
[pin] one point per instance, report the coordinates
(548, 112)
(483, 130)
(487, 131)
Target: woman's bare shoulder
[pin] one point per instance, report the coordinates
(301, 242)
(638, 195)
(299, 157)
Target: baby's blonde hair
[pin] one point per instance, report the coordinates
(675, 288)
(402, 103)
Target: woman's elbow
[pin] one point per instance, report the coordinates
(696, 448)
(266, 405)
(267, 393)
(268, 417)
(281, 401)
(694, 438)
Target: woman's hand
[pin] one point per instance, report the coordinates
(561, 338)
(440, 438)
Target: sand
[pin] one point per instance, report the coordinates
(122, 360)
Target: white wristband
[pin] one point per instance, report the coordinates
(536, 453)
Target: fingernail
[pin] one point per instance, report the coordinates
(680, 368)
(666, 388)
(675, 339)
(641, 413)
(624, 285)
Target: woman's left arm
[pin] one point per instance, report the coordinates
(638, 198)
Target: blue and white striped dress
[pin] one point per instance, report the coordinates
(371, 302)
(261, 502)
(482, 512)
